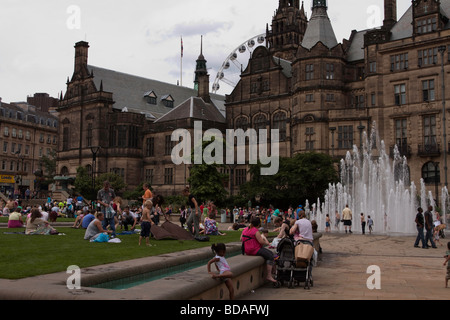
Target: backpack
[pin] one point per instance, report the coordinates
(202, 238)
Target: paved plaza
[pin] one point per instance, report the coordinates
(406, 273)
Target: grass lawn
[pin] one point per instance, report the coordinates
(24, 256)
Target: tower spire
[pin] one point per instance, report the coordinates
(287, 29)
(201, 76)
(319, 27)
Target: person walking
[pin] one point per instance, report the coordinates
(370, 224)
(105, 198)
(337, 220)
(194, 216)
(347, 217)
(420, 225)
(429, 226)
(447, 258)
(363, 223)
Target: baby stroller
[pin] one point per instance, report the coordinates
(441, 229)
(287, 269)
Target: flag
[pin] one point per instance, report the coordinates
(182, 47)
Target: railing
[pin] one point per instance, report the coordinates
(429, 150)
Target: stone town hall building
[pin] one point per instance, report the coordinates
(321, 94)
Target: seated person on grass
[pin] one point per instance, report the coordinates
(95, 228)
(211, 228)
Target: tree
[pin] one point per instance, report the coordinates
(83, 183)
(116, 182)
(49, 168)
(206, 180)
(303, 177)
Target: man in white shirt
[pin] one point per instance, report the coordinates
(347, 217)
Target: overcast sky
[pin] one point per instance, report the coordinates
(141, 37)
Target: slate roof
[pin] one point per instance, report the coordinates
(129, 91)
(404, 29)
(29, 113)
(401, 30)
(196, 108)
(356, 50)
(319, 29)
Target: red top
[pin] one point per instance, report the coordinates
(252, 245)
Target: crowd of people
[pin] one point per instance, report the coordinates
(35, 220)
(108, 215)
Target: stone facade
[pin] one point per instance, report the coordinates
(26, 135)
(322, 95)
(331, 95)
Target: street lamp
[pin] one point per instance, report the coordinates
(333, 130)
(95, 151)
(20, 172)
(442, 49)
(436, 181)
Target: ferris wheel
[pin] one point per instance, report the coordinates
(229, 73)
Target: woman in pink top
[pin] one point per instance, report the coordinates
(253, 246)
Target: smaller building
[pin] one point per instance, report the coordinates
(26, 135)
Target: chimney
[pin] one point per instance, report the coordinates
(390, 14)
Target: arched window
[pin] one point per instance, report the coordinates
(242, 123)
(260, 122)
(279, 122)
(64, 171)
(431, 173)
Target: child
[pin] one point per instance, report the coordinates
(436, 237)
(264, 234)
(146, 223)
(370, 224)
(327, 224)
(447, 258)
(183, 216)
(222, 266)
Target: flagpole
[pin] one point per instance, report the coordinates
(181, 63)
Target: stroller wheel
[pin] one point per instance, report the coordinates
(277, 284)
(291, 284)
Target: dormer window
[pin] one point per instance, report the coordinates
(426, 25)
(150, 97)
(168, 101)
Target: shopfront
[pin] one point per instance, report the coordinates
(7, 183)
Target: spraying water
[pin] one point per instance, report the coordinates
(378, 186)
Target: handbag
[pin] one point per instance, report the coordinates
(303, 254)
